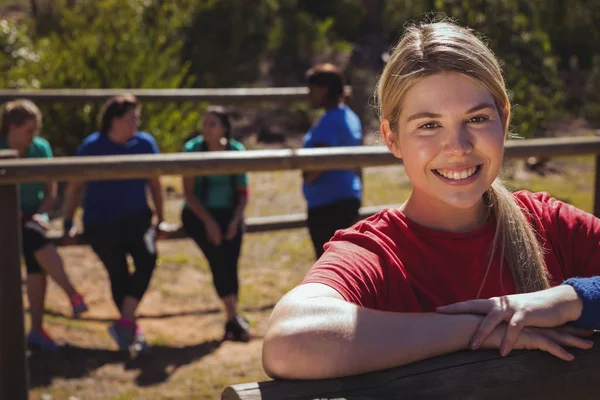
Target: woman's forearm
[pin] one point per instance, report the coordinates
(197, 208)
(72, 199)
(238, 214)
(157, 198)
(49, 198)
(326, 338)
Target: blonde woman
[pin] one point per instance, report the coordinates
(371, 301)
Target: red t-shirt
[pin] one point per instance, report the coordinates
(388, 262)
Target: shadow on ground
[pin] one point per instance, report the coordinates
(76, 362)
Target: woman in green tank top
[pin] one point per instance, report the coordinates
(214, 217)
(19, 127)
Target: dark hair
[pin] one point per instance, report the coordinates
(17, 112)
(115, 107)
(327, 75)
(221, 113)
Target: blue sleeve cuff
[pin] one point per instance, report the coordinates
(588, 290)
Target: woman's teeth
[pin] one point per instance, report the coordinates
(456, 175)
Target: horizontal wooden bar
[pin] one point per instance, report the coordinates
(222, 95)
(209, 163)
(483, 375)
(253, 225)
(206, 163)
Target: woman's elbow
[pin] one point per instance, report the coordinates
(282, 357)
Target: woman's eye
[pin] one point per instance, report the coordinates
(429, 125)
(479, 119)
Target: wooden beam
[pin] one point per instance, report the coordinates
(253, 225)
(209, 163)
(221, 95)
(13, 367)
(482, 375)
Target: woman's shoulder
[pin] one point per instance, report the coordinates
(194, 144)
(145, 137)
(235, 145)
(536, 202)
(40, 142)
(377, 233)
(40, 147)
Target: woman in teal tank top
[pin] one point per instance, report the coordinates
(19, 128)
(214, 217)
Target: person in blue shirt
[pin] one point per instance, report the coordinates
(19, 129)
(333, 197)
(213, 216)
(116, 217)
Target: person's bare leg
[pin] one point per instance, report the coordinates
(36, 292)
(51, 262)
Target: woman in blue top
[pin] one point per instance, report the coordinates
(334, 196)
(117, 219)
(213, 216)
(19, 128)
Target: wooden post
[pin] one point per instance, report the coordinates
(13, 367)
(597, 188)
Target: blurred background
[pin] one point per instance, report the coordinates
(550, 51)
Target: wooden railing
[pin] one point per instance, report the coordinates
(220, 95)
(13, 373)
(480, 375)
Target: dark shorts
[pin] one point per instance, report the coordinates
(324, 220)
(34, 237)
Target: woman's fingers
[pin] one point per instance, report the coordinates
(547, 344)
(566, 339)
(573, 330)
(513, 330)
(486, 327)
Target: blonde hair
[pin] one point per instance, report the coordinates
(431, 48)
(17, 112)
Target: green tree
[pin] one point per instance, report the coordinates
(110, 44)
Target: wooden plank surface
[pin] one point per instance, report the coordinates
(13, 367)
(209, 163)
(481, 375)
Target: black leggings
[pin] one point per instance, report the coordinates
(223, 259)
(113, 241)
(324, 220)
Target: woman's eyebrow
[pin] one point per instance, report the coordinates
(480, 106)
(424, 114)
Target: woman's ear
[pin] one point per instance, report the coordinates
(389, 138)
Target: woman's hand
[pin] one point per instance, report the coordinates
(550, 340)
(213, 231)
(41, 220)
(69, 236)
(232, 229)
(546, 308)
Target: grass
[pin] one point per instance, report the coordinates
(181, 315)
